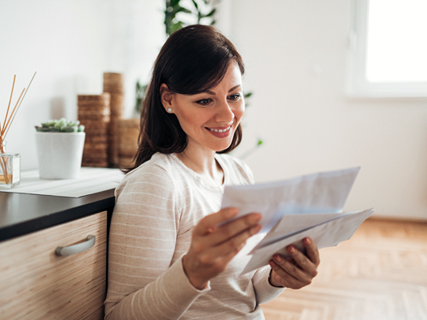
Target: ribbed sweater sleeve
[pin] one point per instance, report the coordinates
(143, 281)
(264, 291)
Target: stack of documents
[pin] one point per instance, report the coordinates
(306, 206)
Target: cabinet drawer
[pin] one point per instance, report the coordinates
(35, 283)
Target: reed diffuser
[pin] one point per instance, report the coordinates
(10, 163)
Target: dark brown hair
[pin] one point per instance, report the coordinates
(193, 59)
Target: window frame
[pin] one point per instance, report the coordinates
(357, 83)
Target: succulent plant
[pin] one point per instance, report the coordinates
(61, 125)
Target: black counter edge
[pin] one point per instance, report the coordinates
(56, 218)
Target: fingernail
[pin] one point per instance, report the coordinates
(307, 241)
(291, 249)
(233, 212)
(278, 258)
(256, 217)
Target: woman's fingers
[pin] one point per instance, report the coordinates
(213, 247)
(302, 262)
(283, 277)
(232, 229)
(218, 257)
(312, 251)
(208, 224)
(294, 269)
(299, 270)
(217, 235)
(233, 245)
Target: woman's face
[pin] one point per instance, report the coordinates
(210, 118)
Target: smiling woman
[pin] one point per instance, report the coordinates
(209, 119)
(189, 66)
(168, 256)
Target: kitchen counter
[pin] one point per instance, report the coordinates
(21, 214)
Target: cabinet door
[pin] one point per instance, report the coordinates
(36, 283)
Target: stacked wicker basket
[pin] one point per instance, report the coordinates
(94, 114)
(128, 133)
(110, 140)
(113, 84)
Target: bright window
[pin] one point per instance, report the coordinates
(388, 48)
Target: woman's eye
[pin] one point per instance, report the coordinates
(234, 97)
(204, 102)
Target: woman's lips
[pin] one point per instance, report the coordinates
(220, 132)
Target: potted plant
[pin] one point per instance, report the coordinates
(59, 146)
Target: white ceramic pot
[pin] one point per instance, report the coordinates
(59, 154)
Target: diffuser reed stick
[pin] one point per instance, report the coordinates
(7, 123)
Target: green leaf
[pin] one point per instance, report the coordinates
(176, 26)
(210, 14)
(260, 142)
(68, 129)
(196, 5)
(180, 9)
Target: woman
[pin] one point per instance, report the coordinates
(168, 259)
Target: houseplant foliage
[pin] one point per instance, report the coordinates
(174, 7)
(59, 145)
(61, 125)
(175, 11)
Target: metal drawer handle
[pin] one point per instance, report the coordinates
(76, 248)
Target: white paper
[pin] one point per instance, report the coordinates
(305, 206)
(292, 222)
(89, 181)
(326, 234)
(315, 193)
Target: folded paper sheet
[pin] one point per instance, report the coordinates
(323, 192)
(309, 205)
(325, 234)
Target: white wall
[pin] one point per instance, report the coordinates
(295, 54)
(71, 43)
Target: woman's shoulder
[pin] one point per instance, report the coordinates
(156, 171)
(237, 168)
(159, 164)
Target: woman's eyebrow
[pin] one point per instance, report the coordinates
(213, 93)
(234, 88)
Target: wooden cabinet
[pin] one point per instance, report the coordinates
(36, 283)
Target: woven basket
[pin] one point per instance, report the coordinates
(128, 142)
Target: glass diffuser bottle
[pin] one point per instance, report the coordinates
(10, 167)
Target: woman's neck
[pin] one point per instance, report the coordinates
(203, 163)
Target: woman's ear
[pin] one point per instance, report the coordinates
(166, 97)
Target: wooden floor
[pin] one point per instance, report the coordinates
(379, 274)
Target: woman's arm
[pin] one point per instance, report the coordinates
(142, 282)
(265, 292)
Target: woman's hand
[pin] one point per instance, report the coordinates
(298, 271)
(213, 247)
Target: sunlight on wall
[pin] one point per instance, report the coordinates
(397, 46)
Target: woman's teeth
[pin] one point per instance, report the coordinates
(220, 130)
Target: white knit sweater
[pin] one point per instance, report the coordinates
(157, 205)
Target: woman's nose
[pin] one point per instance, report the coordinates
(225, 113)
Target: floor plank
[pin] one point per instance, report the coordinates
(380, 273)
